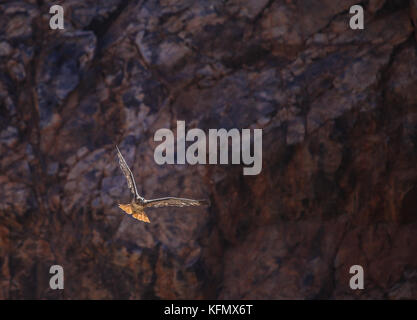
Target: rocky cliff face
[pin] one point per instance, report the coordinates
(338, 109)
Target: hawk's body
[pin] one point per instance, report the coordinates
(138, 204)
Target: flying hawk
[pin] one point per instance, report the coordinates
(138, 204)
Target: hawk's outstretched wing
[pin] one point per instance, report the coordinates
(173, 202)
(128, 174)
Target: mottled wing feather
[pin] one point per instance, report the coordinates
(128, 174)
(173, 202)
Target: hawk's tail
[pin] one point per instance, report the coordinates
(126, 208)
(141, 216)
(137, 215)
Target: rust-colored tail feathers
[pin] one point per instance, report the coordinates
(137, 215)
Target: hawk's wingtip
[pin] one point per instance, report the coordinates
(205, 202)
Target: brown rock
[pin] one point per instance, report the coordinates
(338, 184)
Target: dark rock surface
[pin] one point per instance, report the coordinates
(339, 180)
